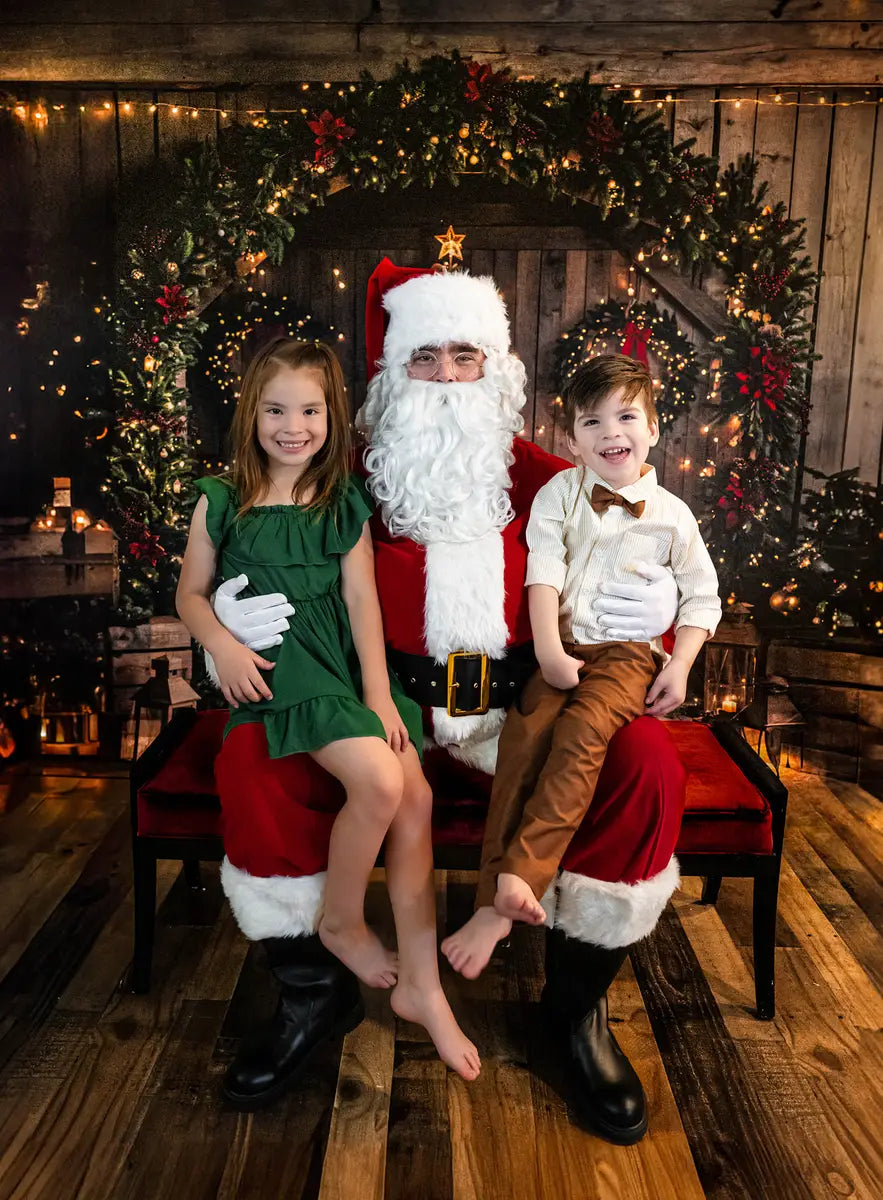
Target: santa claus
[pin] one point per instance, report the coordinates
(453, 482)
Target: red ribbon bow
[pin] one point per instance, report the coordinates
(635, 342)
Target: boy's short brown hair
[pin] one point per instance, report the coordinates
(598, 377)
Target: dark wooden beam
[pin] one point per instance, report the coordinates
(663, 53)
(403, 12)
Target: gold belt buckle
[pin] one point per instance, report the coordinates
(453, 709)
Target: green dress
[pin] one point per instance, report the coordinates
(316, 683)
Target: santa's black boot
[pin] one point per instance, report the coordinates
(608, 1096)
(319, 999)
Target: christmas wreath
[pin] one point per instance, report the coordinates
(644, 333)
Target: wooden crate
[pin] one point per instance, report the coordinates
(134, 647)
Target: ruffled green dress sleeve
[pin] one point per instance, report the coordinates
(222, 506)
(353, 509)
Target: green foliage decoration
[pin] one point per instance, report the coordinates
(222, 208)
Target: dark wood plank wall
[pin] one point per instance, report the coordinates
(824, 160)
(276, 41)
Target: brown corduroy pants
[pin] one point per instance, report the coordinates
(551, 750)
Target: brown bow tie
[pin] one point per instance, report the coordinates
(602, 498)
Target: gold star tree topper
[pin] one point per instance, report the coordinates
(450, 246)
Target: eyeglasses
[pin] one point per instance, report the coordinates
(467, 364)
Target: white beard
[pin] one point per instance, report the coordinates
(438, 465)
(440, 454)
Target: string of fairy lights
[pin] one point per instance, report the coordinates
(39, 112)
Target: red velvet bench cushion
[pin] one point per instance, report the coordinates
(724, 813)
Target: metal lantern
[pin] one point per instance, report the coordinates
(164, 691)
(774, 716)
(730, 667)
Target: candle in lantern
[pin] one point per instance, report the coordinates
(728, 704)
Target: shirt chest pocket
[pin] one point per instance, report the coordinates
(647, 542)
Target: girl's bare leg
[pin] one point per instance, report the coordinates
(372, 776)
(418, 995)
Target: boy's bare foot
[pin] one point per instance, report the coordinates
(470, 948)
(515, 900)
(363, 952)
(431, 1010)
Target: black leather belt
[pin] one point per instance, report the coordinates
(468, 683)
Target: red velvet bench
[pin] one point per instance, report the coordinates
(734, 821)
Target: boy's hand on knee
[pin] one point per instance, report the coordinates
(561, 672)
(668, 690)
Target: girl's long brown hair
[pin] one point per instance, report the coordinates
(331, 464)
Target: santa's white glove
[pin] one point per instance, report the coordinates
(637, 612)
(259, 621)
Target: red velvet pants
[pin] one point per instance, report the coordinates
(278, 813)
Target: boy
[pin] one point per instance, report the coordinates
(587, 525)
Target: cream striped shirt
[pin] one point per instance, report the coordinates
(576, 551)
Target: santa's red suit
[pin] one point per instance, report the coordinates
(454, 583)
(619, 870)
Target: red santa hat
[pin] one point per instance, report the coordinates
(430, 308)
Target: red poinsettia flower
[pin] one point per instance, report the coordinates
(148, 547)
(776, 376)
(602, 136)
(482, 82)
(175, 302)
(731, 501)
(330, 131)
(760, 381)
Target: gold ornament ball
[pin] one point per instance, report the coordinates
(172, 268)
(464, 131)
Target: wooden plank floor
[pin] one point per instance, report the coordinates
(108, 1095)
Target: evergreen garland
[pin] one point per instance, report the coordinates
(230, 206)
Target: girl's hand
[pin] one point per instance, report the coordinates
(562, 671)
(238, 673)
(393, 726)
(668, 689)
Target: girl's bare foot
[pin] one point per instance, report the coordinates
(515, 900)
(470, 948)
(430, 1009)
(361, 951)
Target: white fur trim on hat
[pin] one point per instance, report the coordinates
(431, 310)
(613, 914)
(275, 905)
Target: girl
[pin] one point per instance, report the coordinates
(293, 520)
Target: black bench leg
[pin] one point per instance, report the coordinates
(192, 874)
(766, 892)
(711, 886)
(145, 915)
